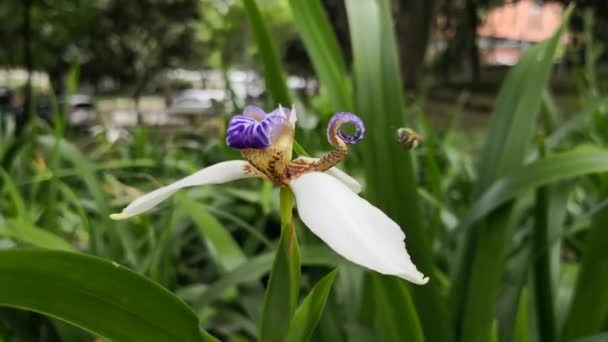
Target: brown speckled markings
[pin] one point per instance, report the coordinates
(270, 162)
(252, 170)
(299, 167)
(274, 165)
(332, 158)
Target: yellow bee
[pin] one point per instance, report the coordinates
(408, 138)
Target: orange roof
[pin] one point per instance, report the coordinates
(524, 20)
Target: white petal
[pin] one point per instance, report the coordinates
(352, 227)
(342, 176)
(293, 116)
(347, 180)
(215, 174)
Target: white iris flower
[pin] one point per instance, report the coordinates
(327, 199)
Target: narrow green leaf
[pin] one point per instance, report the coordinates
(281, 297)
(70, 333)
(97, 295)
(224, 250)
(250, 229)
(541, 274)
(307, 316)
(16, 199)
(595, 338)
(521, 322)
(541, 271)
(25, 232)
(390, 178)
(517, 106)
(256, 267)
(494, 332)
(73, 76)
(389, 310)
(106, 166)
(485, 279)
(585, 159)
(480, 267)
(86, 171)
(578, 122)
(299, 149)
(565, 291)
(322, 47)
(273, 72)
(589, 307)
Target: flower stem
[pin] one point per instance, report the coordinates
(288, 227)
(286, 198)
(281, 298)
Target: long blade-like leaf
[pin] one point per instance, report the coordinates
(391, 182)
(389, 311)
(322, 47)
(309, 313)
(273, 72)
(97, 295)
(589, 308)
(27, 233)
(542, 279)
(256, 267)
(560, 166)
(481, 264)
(281, 298)
(521, 322)
(224, 250)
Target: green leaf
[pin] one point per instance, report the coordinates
(256, 267)
(589, 307)
(25, 232)
(542, 279)
(480, 267)
(281, 297)
(309, 313)
(273, 72)
(565, 291)
(389, 311)
(86, 171)
(322, 47)
(521, 323)
(14, 195)
(97, 295)
(595, 338)
(519, 100)
(224, 250)
(73, 76)
(582, 160)
(389, 172)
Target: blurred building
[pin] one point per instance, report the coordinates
(508, 30)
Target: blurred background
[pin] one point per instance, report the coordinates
(101, 101)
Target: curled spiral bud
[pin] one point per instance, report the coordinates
(336, 122)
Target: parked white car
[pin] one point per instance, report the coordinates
(197, 102)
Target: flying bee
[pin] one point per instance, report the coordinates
(408, 138)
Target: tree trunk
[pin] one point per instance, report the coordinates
(414, 23)
(138, 113)
(139, 90)
(27, 111)
(471, 23)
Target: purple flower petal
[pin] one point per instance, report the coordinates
(244, 131)
(281, 111)
(255, 113)
(333, 128)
